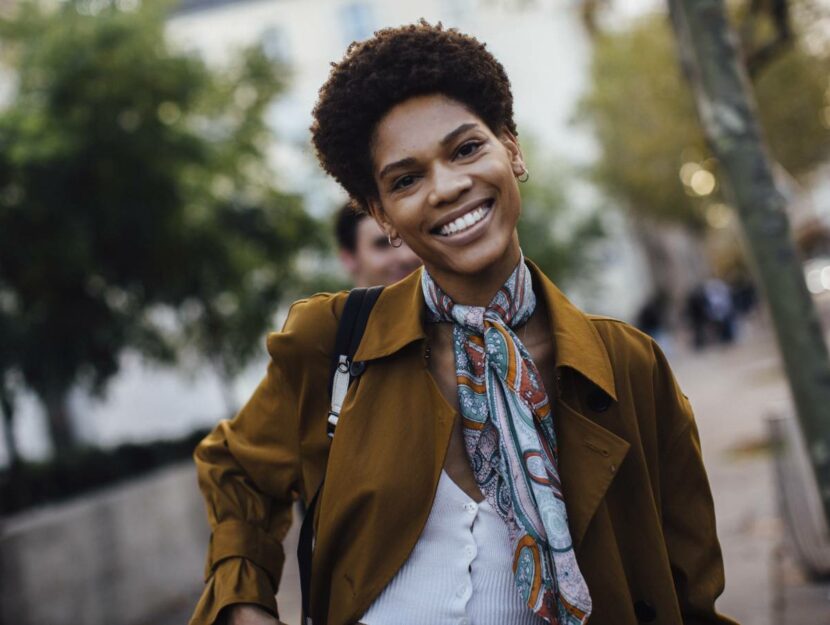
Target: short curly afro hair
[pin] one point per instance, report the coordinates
(395, 65)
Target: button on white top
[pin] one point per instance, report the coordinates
(459, 573)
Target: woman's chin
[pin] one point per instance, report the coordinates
(481, 259)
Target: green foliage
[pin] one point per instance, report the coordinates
(645, 120)
(793, 99)
(236, 291)
(133, 178)
(553, 234)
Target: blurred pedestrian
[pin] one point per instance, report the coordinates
(720, 309)
(651, 317)
(367, 253)
(697, 312)
(503, 458)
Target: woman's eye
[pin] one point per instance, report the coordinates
(468, 149)
(403, 182)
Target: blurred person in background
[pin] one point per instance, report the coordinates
(371, 257)
(504, 458)
(712, 313)
(721, 309)
(652, 318)
(697, 312)
(744, 294)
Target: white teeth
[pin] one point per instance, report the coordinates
(465, 221)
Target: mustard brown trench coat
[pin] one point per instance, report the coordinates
(638, 500)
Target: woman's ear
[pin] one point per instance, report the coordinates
(511, 143)
(379, 215)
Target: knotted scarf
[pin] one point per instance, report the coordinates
(511, 444)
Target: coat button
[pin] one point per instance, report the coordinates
(597, 400)
(645, 611)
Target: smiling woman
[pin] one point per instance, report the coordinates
(504, 458)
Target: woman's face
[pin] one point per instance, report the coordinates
(447, 186)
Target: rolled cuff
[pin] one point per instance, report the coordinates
(234, 580)
(237, 539)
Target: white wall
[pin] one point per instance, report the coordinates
(119, 557)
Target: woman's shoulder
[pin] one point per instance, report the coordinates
(624, 342)
(639, 360)
(633, 353)
(309, 329)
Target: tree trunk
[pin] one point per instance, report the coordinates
(61, 430)
(726, 108)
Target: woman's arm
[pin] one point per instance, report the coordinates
(249, 468)
(248, 472)
(687, 506)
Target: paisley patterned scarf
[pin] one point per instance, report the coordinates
(510, 440)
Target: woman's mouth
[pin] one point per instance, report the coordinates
(466, 221)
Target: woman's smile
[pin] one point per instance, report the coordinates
(468, 225)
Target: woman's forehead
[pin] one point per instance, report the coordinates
(418, 124)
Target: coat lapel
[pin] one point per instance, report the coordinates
(589, 460)
(589, 454)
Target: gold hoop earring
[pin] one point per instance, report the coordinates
(524, 176)
(398, 239)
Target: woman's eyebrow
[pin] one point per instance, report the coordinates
(404, 162)
(451, 136)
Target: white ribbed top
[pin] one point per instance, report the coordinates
(459, 573)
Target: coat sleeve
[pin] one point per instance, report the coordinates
(249, 468)
(247, 471)
(688, 510)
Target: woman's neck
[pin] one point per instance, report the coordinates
(480, 288)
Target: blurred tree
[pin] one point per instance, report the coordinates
(765, 26)
(766, 31)
(726, 108)
(654, 158)
(644, 121)
(259, 230)
(132, 180)
(236, 293)
(554, 235)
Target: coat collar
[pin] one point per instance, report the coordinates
(589, 454)
(398, 319)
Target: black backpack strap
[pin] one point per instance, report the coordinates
(346, 327)
(343, 371)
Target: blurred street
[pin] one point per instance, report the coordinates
(733, 390)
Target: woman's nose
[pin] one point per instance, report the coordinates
(447, 185)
